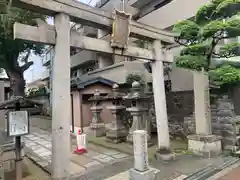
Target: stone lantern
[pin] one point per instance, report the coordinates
(116, 132)
(138, 111)
(97, 127)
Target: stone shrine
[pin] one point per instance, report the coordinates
(116, 132)
(97, 127)
(138, 110)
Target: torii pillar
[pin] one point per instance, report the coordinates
(163, 152)
(61, 103)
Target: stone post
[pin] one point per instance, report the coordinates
(97, 127)
(61, 104)
(2, 91)
(202, 103)
(160, 104)
(203, 143)
(117, 132)
(137, 110)
(141, 170)
(102, 61)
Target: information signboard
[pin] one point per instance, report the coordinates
(18, 123)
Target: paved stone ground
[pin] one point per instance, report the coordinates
(101, 163)
(233, 174)
(174, 170)
(38, 148)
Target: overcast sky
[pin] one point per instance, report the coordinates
(35, 71)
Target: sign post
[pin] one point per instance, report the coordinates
(1, 172)
(18, 125)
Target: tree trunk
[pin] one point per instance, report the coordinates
(17, 83)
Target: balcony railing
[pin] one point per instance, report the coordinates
(48, 57)
(45, 74)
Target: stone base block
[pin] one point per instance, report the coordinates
(97, 129)
(146, 175)
(164, 156)
(205, 145)
(116, 136)
(100, 132)
(130, 138)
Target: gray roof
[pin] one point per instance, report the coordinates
(86, 80)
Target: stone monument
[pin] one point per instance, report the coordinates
(203, 143)
(116, 132)
(138, 111)
(97, 127)
(141, 170)
(227, 123)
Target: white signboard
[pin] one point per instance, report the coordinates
(18, 123)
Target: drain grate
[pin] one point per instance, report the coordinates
(210, 170)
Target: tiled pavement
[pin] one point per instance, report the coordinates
(38, 148)
(232, 175)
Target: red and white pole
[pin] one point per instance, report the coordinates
(81, 143)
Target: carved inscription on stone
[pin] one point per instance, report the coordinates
(140, 150)
(207, 104)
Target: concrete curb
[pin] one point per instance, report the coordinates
(224, 172)
(112, 148)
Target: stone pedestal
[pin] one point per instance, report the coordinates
(145, 175)
(141, 170)
(164, 155)
(97, 128)
(205, 145)
(117, 132)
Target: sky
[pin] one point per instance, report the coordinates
(36, 70)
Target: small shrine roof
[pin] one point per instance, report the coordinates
(24, 102)
(84, 81)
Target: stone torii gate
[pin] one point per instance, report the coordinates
(62, 37)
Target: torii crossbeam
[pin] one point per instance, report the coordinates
(94, 17)
(62, 37)
(46, 34)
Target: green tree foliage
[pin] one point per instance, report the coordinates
(203, 37)
(134, 77)
(42, 91)
(14, 54)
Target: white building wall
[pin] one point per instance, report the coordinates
(173, 12)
